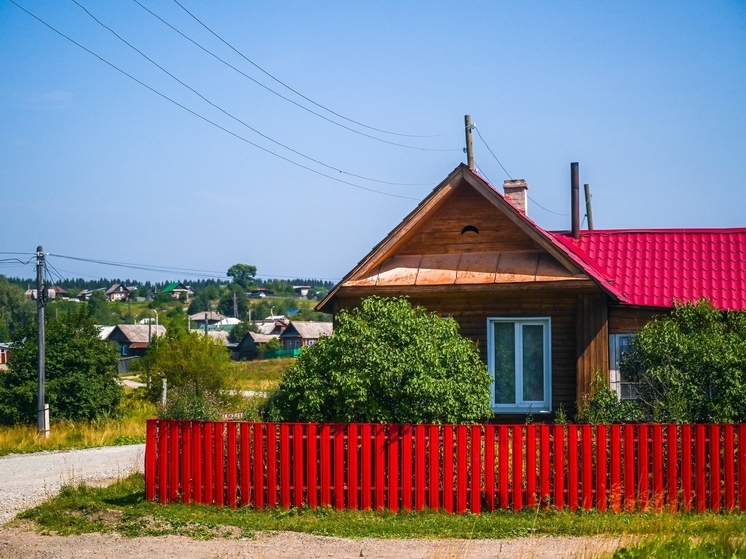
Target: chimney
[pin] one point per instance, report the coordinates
(516, 192)
(575, 199)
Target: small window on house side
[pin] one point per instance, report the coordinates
(125, 350)
(519, 359)
(619, 344)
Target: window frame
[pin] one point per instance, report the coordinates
(520, 405)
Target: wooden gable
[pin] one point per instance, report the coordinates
(464, 234)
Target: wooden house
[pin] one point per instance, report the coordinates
(299, 333)
(548, 310)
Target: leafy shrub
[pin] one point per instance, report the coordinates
(186, 360)
(386, 362)
(185, 403)
(691, 365)
(603, 405)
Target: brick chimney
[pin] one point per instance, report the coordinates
(516, 192)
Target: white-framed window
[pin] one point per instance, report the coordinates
(520, 364)
(618, 345)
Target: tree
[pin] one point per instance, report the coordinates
(199, 303)
(243, 275)
(238, 332)
(81, 373)
(389, 362)
(194, 363)
(226, 308)
(691, 365)
(16, 311)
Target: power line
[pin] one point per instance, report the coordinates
(167, 269)
(283, 97)
(265, 72)
(230, 115)
(511, 178)
(216, 125)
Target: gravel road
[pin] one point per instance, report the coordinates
(28, 479)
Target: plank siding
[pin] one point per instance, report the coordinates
(442, 233)
(592, 341)
(628, 320)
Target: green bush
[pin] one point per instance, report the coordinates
(185, 403)
(691, 365)
(603, 406)
(189, 362)
(386, 362)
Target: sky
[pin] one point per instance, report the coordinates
(294, 136)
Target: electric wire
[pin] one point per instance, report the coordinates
(265, 72)
(283, 97)
(229, 115)
(210, 274)
(510, 177)
(205, 119)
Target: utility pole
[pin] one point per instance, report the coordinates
(206, 325)
(42, 424)
(235, 306)
(469, 145)
(588, 210)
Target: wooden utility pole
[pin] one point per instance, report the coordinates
(588, 210)
(469, 144)
(42, 423)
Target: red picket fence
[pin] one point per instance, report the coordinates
(456, 468)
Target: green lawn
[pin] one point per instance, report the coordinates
(121, 508)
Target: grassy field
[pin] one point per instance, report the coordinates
(121, 508)
(127, 429)
(263, 375)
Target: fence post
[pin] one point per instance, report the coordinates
(448, 468)
(601, 468)
(352, 467)
(672, 446)
(433, 460)
(489, 466)
(615, 457)
(151, 430)
(517, 467)
(366, 460)
(729, 465)
(339, 466)
(715, 468)
(298, 465)
(658, 467)
(559, 467)
(380, 468)
(503, 466)
(531, 465)
(393, 469)
(587, 467)
(285, 465)
(461, 465)
(312, 465)
(406, 467)
(245, 464)
(232, 451)
(419, 467)
(475, 468)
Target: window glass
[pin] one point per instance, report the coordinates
(504, 361)
(533, 362)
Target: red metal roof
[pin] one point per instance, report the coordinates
(658, 267)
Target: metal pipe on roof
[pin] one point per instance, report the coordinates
(575, 199)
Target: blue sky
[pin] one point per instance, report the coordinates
(649, 98)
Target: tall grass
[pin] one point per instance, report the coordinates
(128, 428)
(262, 375)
